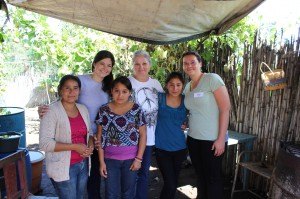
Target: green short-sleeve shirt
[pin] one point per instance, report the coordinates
(204, 112)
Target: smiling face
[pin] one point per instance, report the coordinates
(141, 66)
(120, 93)
(174, 87)
(69, 91)
(191, 65)
(102, 68)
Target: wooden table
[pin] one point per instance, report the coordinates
(239, 138)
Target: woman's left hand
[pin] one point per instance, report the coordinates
(219, 147)
(88, 152)
(136, 165)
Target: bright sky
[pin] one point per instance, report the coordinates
(281, 13)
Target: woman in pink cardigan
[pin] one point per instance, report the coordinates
(64, 136)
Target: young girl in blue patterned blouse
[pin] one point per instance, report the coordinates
(122, 130)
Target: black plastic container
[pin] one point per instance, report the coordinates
(286, 180)
(13, 119)
(9, 141)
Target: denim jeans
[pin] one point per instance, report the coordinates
(169, 164)
(143, 175)
(75, 187)
(120, 181)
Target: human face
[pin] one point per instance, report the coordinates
(102, 68)
(141, 66)
(120, 93)
(69, 91)
(191, 65)
(174, 87)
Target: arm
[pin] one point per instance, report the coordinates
(80, 148)
(136, 165)
(47, 132)
(42, 110)
(223, 102)
(159, 87)
(90, 141)
(96, 142)
(103, 171)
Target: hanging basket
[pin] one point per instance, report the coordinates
(272, 79)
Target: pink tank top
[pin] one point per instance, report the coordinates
(78, 134)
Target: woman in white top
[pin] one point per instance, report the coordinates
(145, 90)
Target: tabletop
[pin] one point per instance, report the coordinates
(237, 138)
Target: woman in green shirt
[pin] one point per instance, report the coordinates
(207, 99)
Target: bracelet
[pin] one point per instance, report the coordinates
(138, 159)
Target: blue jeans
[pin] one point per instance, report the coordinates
(143, 175)
(75, 187)
(120, 181)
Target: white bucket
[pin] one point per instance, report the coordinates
(36, 160)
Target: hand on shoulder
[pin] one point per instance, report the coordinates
(42, 110)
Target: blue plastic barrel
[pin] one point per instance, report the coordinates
(13, 119)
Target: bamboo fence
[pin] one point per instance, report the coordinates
(272, 116)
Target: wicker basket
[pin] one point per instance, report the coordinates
(272, 79)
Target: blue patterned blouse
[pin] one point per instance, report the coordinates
(120, 130)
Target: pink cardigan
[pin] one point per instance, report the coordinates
(55, 127)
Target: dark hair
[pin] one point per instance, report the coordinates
(196, 54)
(174, 75)
(122, 80)
(64, 79)
(109, 78)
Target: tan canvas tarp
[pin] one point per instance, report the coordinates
(152, 21)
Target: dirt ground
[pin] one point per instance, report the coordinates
(187, 181)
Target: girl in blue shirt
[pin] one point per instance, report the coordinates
(169, 136)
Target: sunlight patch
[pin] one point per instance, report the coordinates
(153, 168)
(188, 190)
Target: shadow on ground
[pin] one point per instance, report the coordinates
(186, 188)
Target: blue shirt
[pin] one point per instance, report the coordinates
(92, 96)
(168, 134)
